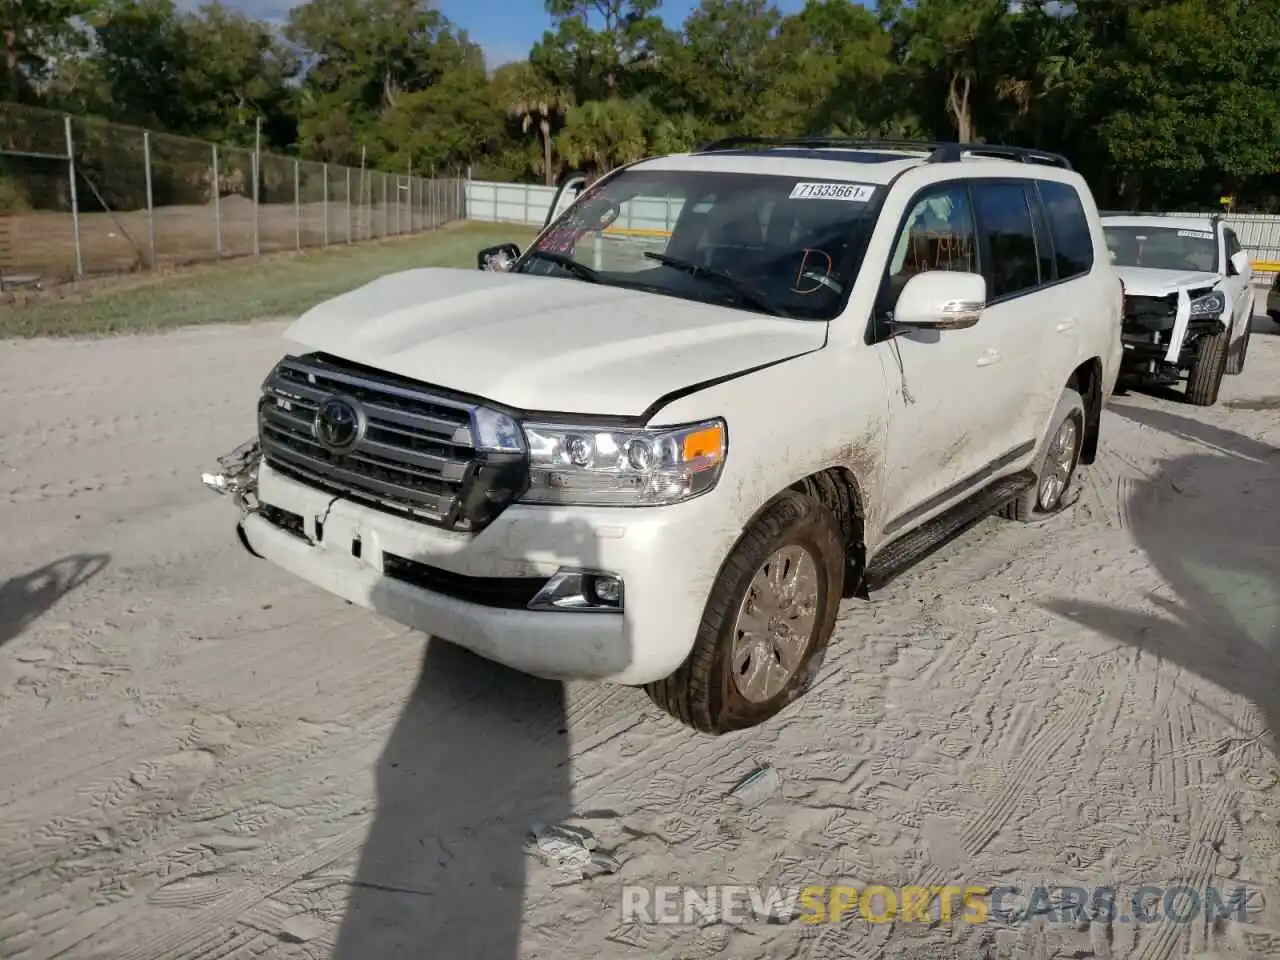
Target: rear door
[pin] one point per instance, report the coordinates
(1031, 318)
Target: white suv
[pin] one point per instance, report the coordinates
(718, 393)
(1188, 300)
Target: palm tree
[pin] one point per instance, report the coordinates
(534, 103)
(602, 134)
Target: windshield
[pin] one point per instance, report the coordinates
(1163, 248)
(772, 244)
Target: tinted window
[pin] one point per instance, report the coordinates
(1004, 217)
(1072, 242)
(1044, 244)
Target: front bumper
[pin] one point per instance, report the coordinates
(472, 589)
(1146, 346)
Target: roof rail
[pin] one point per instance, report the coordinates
(938, 151)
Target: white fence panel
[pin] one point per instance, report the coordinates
(528, 203)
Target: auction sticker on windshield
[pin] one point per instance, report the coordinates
(850, 192)
(1195, 234)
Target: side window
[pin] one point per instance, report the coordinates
(1069, 227)
(1233, 243)
(1044, 241)
(1004, 218)
(938, 235)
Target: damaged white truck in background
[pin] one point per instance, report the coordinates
(1188, 301)
(664, 463)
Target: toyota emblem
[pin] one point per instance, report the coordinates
(339, 424)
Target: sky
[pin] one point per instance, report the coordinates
(505, 29)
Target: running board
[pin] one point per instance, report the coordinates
(902, 554)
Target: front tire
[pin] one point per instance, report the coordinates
(1205, 377)
(767, 622)
(1059, 458)
(1235, 361)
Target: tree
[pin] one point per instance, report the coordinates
(535, 104)
(1160, 103)
(34, 35)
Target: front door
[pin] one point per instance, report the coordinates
(947, 404)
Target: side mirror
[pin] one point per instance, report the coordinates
(941, 300)
(571, 186)
(1239, 264)
(499, 258)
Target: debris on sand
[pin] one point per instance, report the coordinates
(572, 851)
(756, 787)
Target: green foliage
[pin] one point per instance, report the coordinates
(1159, 102)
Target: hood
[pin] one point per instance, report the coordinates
(545, 343)
(1149, 282)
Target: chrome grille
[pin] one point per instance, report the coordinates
(417, 452)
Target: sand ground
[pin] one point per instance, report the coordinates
(202, 757)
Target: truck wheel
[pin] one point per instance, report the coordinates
(766, 625)
(1059, 457)
(1207, 369)
(1236, 358)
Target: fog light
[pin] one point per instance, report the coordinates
(580, 590)
(605, 590)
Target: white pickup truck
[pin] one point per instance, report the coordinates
(717, 394)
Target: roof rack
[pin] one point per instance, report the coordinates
(938, 151)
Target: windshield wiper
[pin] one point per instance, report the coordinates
(579, 270)
(746, 293)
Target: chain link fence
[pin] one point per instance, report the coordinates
(81, 197)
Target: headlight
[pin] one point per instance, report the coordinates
(1210, 305)
(587, 466)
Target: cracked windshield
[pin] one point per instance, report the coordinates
(771, 244)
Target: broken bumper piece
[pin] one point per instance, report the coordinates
(239, 476)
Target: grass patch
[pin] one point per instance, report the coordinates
(248, 290)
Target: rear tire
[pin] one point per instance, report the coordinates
(1058, 459)
(1205, 378)
(1274, 315)
(1235, 362)
(755, 651)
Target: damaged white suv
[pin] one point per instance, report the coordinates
(1188, 301)
(718, 393)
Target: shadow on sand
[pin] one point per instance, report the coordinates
(1208, 524)
(479, 756)
(25, 598)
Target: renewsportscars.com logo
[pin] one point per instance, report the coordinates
(743, 904)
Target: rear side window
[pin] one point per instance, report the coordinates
(1069, 227)
(1004, 220)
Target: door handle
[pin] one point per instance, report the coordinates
(988, 357)
(1065, 325)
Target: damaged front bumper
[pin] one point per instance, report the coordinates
(239, 480)
(1159, 343)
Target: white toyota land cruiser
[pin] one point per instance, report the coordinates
(1188, 301)
(716, 394)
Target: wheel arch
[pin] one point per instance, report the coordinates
(1086, 380)
(836, 488)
